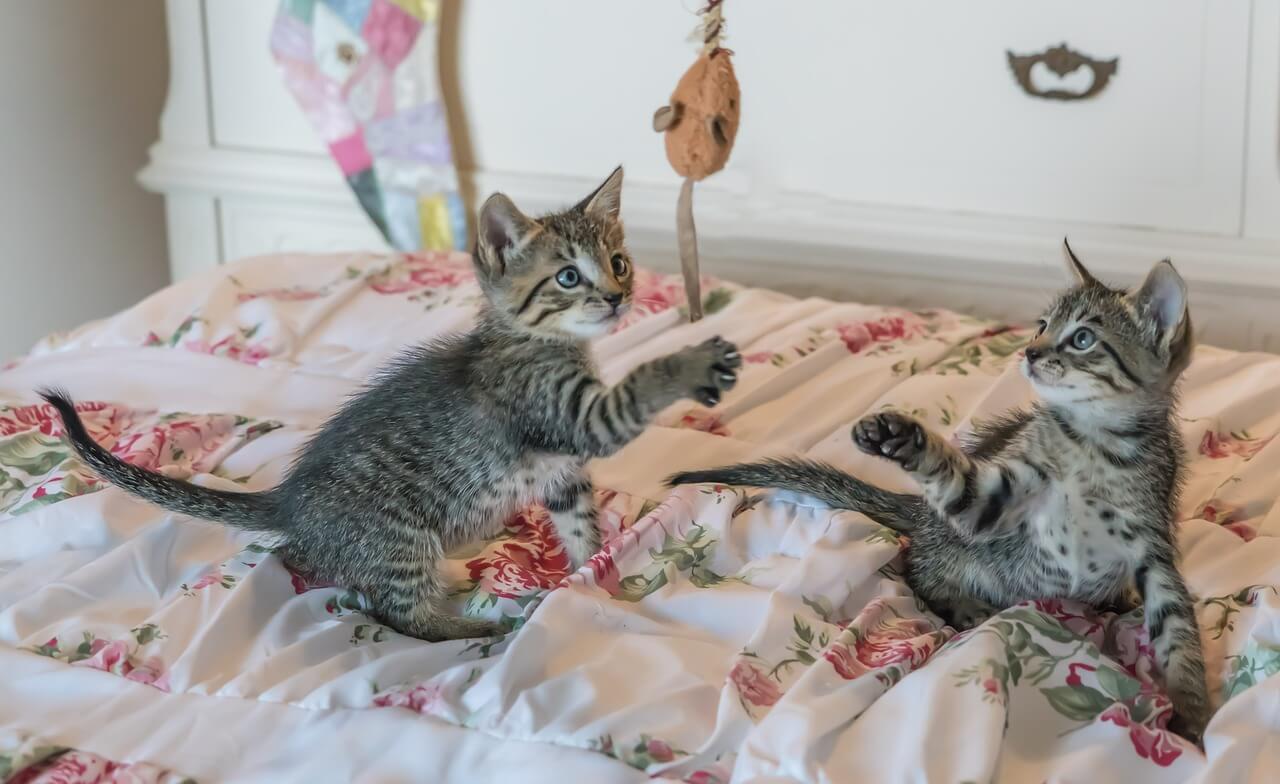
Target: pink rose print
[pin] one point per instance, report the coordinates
(1073, 672)
(290, 294)
(419, 271)
(705, 421)
(212, 578)
(151, 672)
(991, 686)
(753, 685)
(420, 698)
(230, 347)
(757, 357)
(1155, 744)
(1227, 515)
(909, 641)
(845, 663)
(1242, 530)
(1218, 446)
(605, 572)
(659, 751)
(858, 336)
(715, 775)
(534, 559)
(44, 418)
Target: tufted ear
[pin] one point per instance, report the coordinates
(1163, 299)
(504, 229)
(1075, 269)
(606, 200)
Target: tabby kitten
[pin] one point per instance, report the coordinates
(458, 434)
(1075, 498)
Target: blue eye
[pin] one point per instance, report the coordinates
(1083, 339)
(568, 277)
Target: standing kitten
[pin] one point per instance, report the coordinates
(1075, 498)
(457, 435)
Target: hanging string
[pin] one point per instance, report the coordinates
(712, 28)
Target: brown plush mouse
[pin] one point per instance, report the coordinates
(700, 123)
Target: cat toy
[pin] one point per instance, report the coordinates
(700, 123)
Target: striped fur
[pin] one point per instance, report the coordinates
(457, 435)
(1075, 497)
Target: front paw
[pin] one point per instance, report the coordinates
(891, 435)
(706, 371)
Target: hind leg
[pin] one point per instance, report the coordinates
(410, 601)
(573, 512)
(962, 613)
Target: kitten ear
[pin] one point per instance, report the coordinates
(503, 229)
(1162, 298)
(605, 201)
(1078, 274)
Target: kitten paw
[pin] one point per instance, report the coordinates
(709, 369)
(893, 436)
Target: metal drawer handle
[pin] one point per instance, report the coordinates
(1062, 61)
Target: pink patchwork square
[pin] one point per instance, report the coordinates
(390, 32)
(351, 154)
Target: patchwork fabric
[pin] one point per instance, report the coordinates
(364, 72)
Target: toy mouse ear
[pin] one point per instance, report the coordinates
(667, 117)
(715, 125)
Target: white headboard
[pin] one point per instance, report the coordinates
(884, 155)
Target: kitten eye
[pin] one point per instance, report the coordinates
(1083, 339)
(620, 266)
(568, 277)
(1041, 326)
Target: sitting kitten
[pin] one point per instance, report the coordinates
(456, 435)
(1075, 498)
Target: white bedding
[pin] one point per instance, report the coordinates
(721, 637)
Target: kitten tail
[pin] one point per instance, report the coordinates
(900, 511)
(253, 511)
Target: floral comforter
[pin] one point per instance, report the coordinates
(722, 636)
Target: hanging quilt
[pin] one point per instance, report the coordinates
(364, 71)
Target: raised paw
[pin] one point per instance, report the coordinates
(893, 436)
(709, 369)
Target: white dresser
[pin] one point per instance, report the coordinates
(888, 151)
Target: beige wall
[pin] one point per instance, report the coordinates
(81, 88)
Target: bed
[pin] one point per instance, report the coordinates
(724, 634)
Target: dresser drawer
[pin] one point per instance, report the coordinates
(915, 104)
(250, 227)
(252, 108)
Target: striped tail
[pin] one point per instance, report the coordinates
(253, 511)
(902, 512)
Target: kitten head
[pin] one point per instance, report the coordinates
(566, 274)
(1099, 344)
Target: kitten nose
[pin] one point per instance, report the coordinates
(1033, 353)
(614, 299)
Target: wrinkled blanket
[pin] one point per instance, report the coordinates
(723, 635)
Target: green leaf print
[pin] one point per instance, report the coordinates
(1253, 665)
(146, 633)
(716, 300)
(1042, 623)
(1118, 685)
(821, 607)
(682, 555)
(1079, 703)
(33, 453)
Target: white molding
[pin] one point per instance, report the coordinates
(998, 267)
(1262, 167)
(828, 231)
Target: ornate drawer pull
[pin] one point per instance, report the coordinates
(1062, 61)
